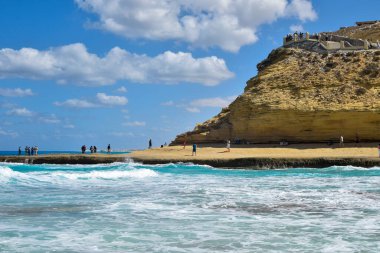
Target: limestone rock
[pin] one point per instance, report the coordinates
(302, 96)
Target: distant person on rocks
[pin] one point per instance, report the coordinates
(194, 150)
(341, 141)
(83, 149)
(150, 143)
(109, 148)
(228, 145)
(95, 149)
(19, 150)
(32, 150)
(92, 149)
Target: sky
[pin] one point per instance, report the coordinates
(120, 72)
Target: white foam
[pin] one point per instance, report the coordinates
(115, 174)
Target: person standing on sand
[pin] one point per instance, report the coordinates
(228, 145)
(95, 149)
(150, 143)
(194, 150)
(19, 150)
(109, 148)
(184, 144)
(341, 141)
(36, 150)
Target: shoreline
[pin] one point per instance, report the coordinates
(242, 156)
(65, 159)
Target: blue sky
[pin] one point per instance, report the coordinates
(95, 72)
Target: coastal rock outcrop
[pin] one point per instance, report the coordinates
(303, 96)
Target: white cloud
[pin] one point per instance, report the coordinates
(122, 89)
(74, 64)
(111, 100)
(296, 28)
(193, 109)
(15, 92)
(122, 134)
(76, 103)
(135, 123)
(213, 102)
(228, 24)
(8, 133)
(102, 99)
(69, 126)
(195, 105)
(50, 119)
(168, 103)
(23, 112)
(303, 9)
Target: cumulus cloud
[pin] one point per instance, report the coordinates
(135, 123)
(193, 109)
(69, 126)
(168, 103)
(76, 103)
(74, 64)
(16, 92)
(22, 112)
(49, 119)
(111, 100)
(195, 105)
(102, 99)
(228, 24)
(213, 102)
(122, 89)
(8, 133)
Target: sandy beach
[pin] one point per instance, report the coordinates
(267, 156)
(249, 156)
(368, 150)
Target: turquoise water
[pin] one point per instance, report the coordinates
(129, 207)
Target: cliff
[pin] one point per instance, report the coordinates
(303, 96)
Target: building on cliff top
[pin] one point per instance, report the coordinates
(367, 22)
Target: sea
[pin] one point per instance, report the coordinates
(130, 207)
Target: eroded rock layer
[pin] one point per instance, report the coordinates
(302, 96)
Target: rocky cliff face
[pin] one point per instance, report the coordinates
(302, 96)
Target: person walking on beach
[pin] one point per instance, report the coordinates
(194, 150)
(150, 143)
(228, 145)
(184, 144)
(19, 150)
(341, 141)
(109, 148)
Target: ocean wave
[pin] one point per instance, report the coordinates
(7, 175)
(115, 174)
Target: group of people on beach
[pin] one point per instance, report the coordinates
(94, 149)
(29, 150)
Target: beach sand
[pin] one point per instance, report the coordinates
(265, 156)
(368, 150)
